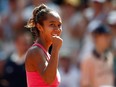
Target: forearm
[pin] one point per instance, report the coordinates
(50, 71)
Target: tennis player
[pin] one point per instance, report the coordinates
(41, 67)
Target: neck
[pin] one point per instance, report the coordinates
(44, 43)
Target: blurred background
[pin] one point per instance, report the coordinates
(77, 16)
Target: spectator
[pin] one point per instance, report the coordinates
(97, 70)
(70, 75)
(11, 20)
(69, 20)
(97, 11)
(3, 81)
(14, 69)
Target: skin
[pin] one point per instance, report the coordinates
(49, 35)
(102, 42)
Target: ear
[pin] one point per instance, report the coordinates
(40, 28)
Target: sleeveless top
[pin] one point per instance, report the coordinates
(34, 79)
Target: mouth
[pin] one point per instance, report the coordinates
(55, 34)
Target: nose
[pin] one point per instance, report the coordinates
(58, 31)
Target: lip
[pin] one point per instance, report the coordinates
(55, 34)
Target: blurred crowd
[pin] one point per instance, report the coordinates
(79, 19)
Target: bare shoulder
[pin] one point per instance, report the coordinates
(33, 57)
(32, 52)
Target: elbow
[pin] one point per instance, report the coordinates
(50, 80)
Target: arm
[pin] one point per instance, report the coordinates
(36, 59)
(50, 71)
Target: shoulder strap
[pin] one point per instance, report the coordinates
(39, 45)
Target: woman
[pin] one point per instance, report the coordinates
(41, 67)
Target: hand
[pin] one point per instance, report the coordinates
(56, 42)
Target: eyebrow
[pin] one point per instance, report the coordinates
(54, 21)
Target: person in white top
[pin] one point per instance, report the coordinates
(70, 74)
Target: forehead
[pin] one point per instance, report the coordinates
(104, 35)
(53, 16)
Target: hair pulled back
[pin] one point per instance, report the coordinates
(39, 15)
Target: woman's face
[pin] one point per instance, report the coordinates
(52, 26)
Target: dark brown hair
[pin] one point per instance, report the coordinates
(39, 15)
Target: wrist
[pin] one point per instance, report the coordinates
(55, 48)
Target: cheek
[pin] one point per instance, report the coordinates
(109, 41)
(101, 41)
(48, 32)
(106, 41)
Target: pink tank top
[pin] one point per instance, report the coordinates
(34, 79)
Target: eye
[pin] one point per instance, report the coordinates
(52, 24)
(59, 25)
